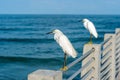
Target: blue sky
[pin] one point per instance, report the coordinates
(59, 6)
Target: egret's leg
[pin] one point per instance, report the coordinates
(64, 68)
(90, 42)
(91, 38)
(65, 60)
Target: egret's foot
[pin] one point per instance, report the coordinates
(90, 42)
(65, 68)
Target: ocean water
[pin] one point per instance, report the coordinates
(25, 47)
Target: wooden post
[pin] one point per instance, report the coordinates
(45, 75)
(110, 46)
(95, 64)
(117, 52)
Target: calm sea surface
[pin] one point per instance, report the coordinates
(24, 46)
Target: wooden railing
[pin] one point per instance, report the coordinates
(99, 62)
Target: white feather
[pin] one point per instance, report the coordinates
(64, 43)
(90, 27)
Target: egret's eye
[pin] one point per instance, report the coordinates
(53, 31)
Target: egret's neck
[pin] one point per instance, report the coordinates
(58, 35)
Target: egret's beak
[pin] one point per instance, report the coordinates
(49, 32)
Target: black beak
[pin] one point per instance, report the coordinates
(49, 32)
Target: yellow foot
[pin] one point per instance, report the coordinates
(90, 42)
(65, 68)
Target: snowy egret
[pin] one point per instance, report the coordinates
(66, 46)
(91, 28)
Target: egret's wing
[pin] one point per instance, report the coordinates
(67, 46)
(92, 29)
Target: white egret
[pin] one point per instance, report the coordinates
(91, 28)
(66, 46)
